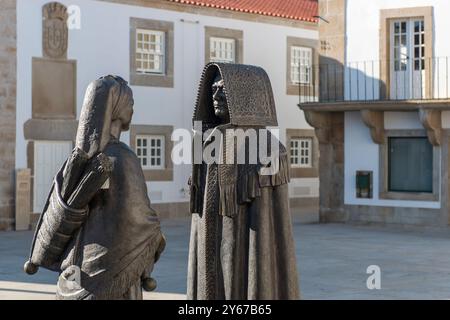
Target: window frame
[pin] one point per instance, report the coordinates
(223, 40)
(299, 148)
(420, 58)
(162, 54)
(311, 89)
(224, 33)
(390, 189)
(383, 176)
(385, 44)
(152, 79)
(148, 155)
(306, 67)
(165, 172)
(311, 171)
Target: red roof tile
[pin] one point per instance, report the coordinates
(303, 10)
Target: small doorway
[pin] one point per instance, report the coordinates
(407, 56)
(48, 159)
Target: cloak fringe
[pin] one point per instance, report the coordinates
(128, 276)
(248, 187)
(281, 177)
(243, 189)
(228, 200)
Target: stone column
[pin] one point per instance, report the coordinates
(329, 127)
(332, 187)
(23, 197)
(8, 60)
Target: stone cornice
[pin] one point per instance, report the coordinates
(372, 114)
(392, 105)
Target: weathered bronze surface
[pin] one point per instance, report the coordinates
(98, 229)
(241, 244)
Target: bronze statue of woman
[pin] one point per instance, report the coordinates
(98, 229)
(241, 244)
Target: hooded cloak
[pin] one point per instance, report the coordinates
(241, 244)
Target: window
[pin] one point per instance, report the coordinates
(410, 164)
(222, 50)
(223, 45)
(150, 151)
(153, 144)
(301, 58)
(419, 45)
(301, 76)
(149, 51)
(400, 45)
(301, 152)
(402, 31)
(405, 46)
(303, 155)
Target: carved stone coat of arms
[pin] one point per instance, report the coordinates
(55, 31)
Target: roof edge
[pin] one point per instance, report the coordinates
(201, 4)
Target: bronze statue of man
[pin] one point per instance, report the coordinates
(241, 244)
(98, 229)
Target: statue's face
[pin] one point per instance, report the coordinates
(126, 115)
(219, 99)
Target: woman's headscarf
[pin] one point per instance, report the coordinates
(103, 103)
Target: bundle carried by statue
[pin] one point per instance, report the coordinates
(66, 209)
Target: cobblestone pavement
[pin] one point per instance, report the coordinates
(332, 262)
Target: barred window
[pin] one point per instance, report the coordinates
(150, 151)
(301, 152)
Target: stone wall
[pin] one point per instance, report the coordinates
(332, 49)
(407, 216)
(332, 29)
(8, 50)
(401, 216)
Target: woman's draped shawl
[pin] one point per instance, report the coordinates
(120, 239)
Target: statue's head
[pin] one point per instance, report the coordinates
(220, 100)
(123, 106)
(107, 107)
(236, 95)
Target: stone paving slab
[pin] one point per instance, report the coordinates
(332, 262)
(10, 290)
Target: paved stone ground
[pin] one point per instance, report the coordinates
(332, 261)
